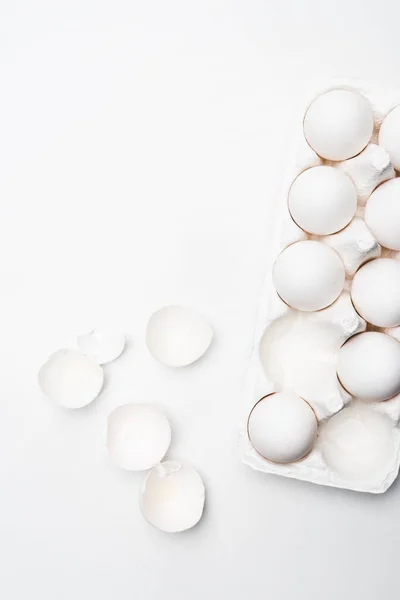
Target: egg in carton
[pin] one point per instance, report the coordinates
(323, 389)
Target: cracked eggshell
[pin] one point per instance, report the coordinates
(389, 136)
(338, 124)
(355, 245)
(375, 292)
(368, 366)
(172, 498)
(178, 336)
(308, 275)
(138, 436)
(282, 427)
(357, 443)
(71, 378)
(367, 170)
(322, 200)
(382, 214)
(101, 345)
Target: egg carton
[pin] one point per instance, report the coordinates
(297, 351)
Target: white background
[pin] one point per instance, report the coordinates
(141, 147)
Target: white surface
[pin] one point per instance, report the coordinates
(142, 146)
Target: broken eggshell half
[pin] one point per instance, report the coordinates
(177, 336)
(70, 378)
(138, 436)
(102, 345)
(172, 497)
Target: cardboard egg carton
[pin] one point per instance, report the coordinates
(297, 351)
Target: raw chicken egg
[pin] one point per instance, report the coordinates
(375, 292)
(322, 200)
(382, 214)
(369, 366)
(389, 136)
(308, 275)
(338, 124)
(282, 427)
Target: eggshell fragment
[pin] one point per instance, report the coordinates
(172, 498)
(308, 275)
(367, 170)
(375, 292)
(368, 366)
(177, 336)
(322, 200)
(357, 443)
(138, 436)
(282, 427)
(355, 245)
(389, 136)
(382, 214)
(101, 345)
(71, 378)
(339, 124)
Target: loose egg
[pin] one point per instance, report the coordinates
(71, 378)
(103, 346)
(368, 366)
(138, 436)
(382, 214)
(375, 292)
(282, 427)
(172, 498)
(308, 275)
(177, 336)
(389, 136)
(338, 124)
(322, 200)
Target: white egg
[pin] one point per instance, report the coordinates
(389, 136)
(375, 292)
(172, 498)
(368, 366)
(101, 345)
(357, 443)
(71, 378)
(382, 214)
(177, 336)
(322, 200)
(282, 427)
(338, 124)
(308, 275)
(138, 436)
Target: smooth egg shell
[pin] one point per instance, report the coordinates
(389, 136)
(71, 378)
(172, 498)
(282, 427)
(375, 292)
(308, 275)
(339, 124)
(138, 436)
(322, 200)
(368, 366)
(177, 336)
(101, 345)
(382, 214)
